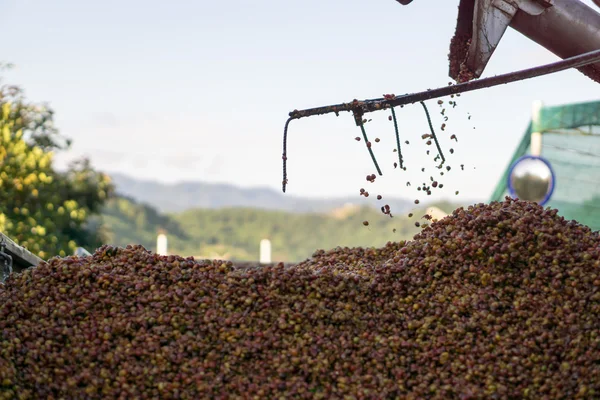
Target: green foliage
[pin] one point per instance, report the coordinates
(42, 209)
(235, 233)
(294, 237)
(128, 222)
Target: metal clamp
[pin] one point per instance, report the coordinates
(535, 7)
(6, 262)
(506, 7)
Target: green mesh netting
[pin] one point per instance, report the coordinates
(571, 143)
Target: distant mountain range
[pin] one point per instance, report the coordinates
(183, 196)
(178, 197)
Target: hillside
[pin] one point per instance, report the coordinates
(235, 233)
(129, 222)
(183, 196)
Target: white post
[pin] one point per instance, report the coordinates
(265, 251)
(161, 245)
(536, 137)
(81, 252)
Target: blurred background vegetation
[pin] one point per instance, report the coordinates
(235, 233)
(53, 212)
(42, 209)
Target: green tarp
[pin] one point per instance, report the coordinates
(571, 143)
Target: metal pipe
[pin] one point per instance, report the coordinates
(383, 103)
(567, 29)
(361, 107)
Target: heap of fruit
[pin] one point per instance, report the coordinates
(494, 301)
(346, 260)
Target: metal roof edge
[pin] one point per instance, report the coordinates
(22, 258)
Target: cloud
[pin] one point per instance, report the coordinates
(106, 156)
(182, 160)
(212, 166)
(105, 119)
(216, 166)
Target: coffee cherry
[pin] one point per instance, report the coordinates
(496, 300)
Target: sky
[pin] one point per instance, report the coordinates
(200, 90)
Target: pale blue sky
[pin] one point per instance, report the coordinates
(200, 90)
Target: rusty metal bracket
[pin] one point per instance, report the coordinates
(491, 19)
(565, 27)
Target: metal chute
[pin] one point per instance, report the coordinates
(567, 28)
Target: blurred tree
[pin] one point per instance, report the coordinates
(44, 210)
